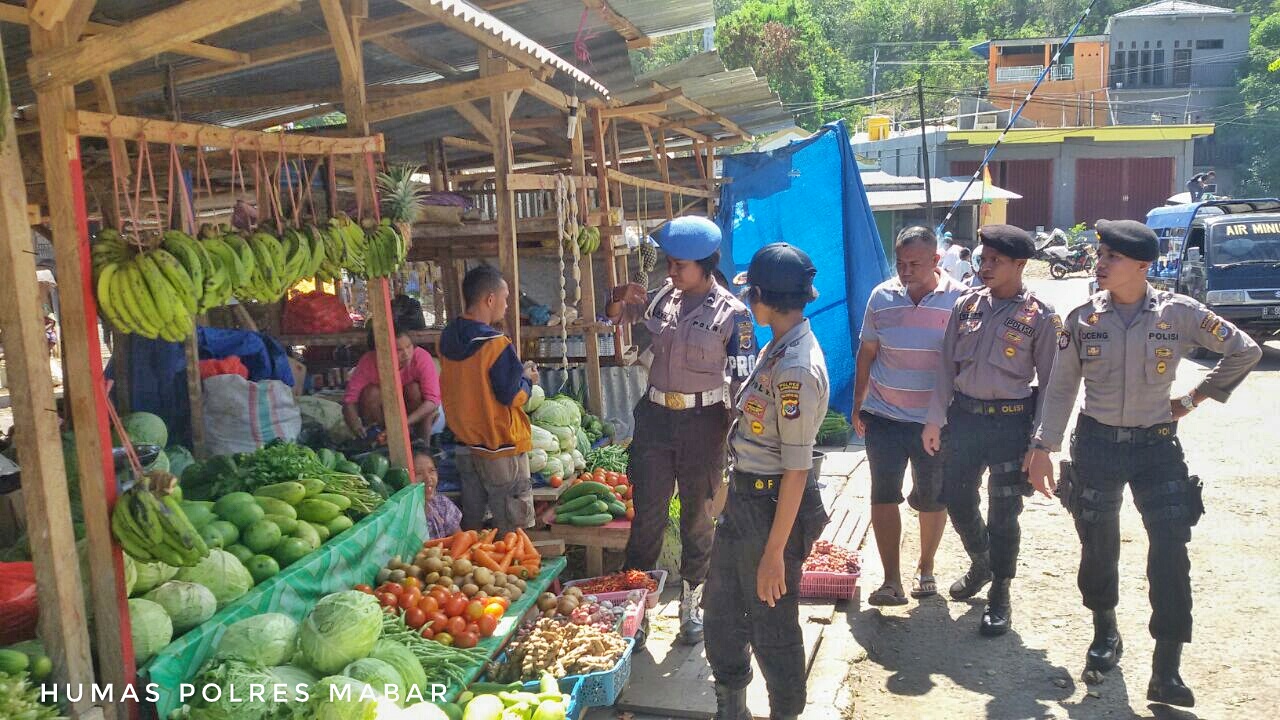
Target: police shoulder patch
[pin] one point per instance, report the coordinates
(790, 401)
(1064, 340)
(789, 385)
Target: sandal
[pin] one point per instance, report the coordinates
(886, 595)
(924, 586)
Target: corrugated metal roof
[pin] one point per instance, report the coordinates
(1174, 7)
(943, 189)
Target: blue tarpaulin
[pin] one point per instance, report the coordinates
(809, 194)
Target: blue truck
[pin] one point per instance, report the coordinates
(1226, 254)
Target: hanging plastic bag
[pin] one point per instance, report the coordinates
(242, 416)
(19, 612)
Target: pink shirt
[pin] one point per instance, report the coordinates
(421, 370)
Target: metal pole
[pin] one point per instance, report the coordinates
(924, 154)
(875, 61)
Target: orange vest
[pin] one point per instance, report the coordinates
(473, 412)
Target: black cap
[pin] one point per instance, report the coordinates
(779, 268)
(1007, 240)
(1130, 238)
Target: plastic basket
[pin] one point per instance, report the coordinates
(601, 689)
(841, 586)
(651, 600)
(571, 686)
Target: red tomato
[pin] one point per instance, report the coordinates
(439, 622)
(410, 598)
(457, 625)
(440, 594)
(631, 513)
(598, 475)
(365, 589)
(395, 588)
(611, 478)
(487, 624)
(494, 610)
(622, 478)
(556, 481)
(428, 633)
(475, 610)
(387, 599)
(428, 605)
(415, 618)
(466, 640)
(455, 606)
(473, 627)
(412, 582)
(444, 638)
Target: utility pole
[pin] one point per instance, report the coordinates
(924, 154)
(875, 60)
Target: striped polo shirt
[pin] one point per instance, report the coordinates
(910, 337)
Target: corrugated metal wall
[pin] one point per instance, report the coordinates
(1121, 188)
(1032, 179)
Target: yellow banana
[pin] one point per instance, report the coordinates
(177, 276)
(147, 313)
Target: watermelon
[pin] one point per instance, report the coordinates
(145, 428)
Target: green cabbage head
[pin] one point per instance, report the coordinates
(342, 628)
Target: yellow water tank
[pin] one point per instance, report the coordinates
(878, 127)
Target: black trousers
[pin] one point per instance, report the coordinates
(736, 622)
(974, 443)
(676, 447)
(1170, 505)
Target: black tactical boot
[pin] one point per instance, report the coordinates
(1107, 647)
(776, 716)
(1166, 684)
(971, 583)
(731, 704)
(998, 614)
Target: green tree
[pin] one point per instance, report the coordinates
(1259, 125)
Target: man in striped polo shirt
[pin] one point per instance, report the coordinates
(901, 346)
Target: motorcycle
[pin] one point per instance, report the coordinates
(1063, 261)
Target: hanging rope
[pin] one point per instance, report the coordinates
(568, 228)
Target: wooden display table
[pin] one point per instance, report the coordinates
(610, 536)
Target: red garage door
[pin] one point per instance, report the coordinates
(1121, 188)
(1032, 179)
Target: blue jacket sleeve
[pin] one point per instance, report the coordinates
(506, 375)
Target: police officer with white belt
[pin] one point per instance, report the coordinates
(1126, 342)
(703, 338)
(999, 339)
(774, 512)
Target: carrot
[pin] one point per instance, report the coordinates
(490, 535)
(461, 542)
(506, 559)
(510, 539)
(464, 556)
(529, 549)
(486, 560)
(437, 542)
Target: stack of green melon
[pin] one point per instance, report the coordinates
(274, 527)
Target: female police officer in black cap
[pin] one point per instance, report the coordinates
(774, 512)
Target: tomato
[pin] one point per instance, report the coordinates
(631, 513)
(428, 604)
(598, 475)
(456, 625)
(412, 582)
(466, 640)
(475, 610)
(395, 589)
(487, 625)
(455, 606)
(439, 622)
(504, 601)
(622, 478)
(556, 481)
(365, 589)
(428, 633)
(494, 610)
(611, 478)
(440, 594)
(410, 598)
(415, 618)
(444, 638)
(388, 600)
(473, 628)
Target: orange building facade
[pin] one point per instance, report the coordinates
(1074, 94)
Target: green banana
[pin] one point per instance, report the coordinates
(116, 289)
(184, 249)
(159, 289)
(143, 307)
(124, 535)
(177, 276)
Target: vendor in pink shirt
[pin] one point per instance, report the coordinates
(362, 405)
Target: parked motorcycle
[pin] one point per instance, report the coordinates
(1079, 259)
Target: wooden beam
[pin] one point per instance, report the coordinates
(62, 616)
(635, 37)
(141, 39)
(634, 181)
(587, 283)
(93, 124)
(472, 114)
(629, 110)
(447, 94)
(526, 181)
(402, 50)
(504, 198)
(694, 107)
(47, 13)
(553, 122)
(217, 103)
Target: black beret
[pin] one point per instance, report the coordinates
(1130, 238)
(1007, 240)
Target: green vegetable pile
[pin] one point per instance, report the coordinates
(834, 429)
(613, 458)
(442, 664)
(20, 701)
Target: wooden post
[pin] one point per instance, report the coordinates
(344, 28)
(604, 202)
(587, 286)
(504, 202)
(62, 614)
(664, 166)
(624, 264)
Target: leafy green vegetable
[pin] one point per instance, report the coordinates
(406, 665)
(150, 628)
(279, 462)
(553, 413)
(342, 628)
(222, 573)
(151, 576)
(378, 674)
(235, 680)
(144, 428)
(267, 639)
(536, 397)
(187, 603)
(339, 697)
(21, 701)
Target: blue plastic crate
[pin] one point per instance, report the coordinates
(601, 689)
(571, 686)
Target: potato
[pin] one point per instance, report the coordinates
(470, 589)
(432, 578)
(414, 571)
(500, 579)
(520, 584)
(485, 576)
(434, 552)
(398, 575)
(546, 601)
(566, 604)
(462, 567)
(514, 593)
(489, 590)
(573, 591)
(433, 564)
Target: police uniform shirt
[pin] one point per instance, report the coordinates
(781, 406)
(1128, 371)
(993, 348)
(694, 347)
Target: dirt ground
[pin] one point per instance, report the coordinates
(926, 660)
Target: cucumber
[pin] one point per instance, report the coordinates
(575, 504)
(322, 530)
(317, 511)
(585, 488)
(307, 533)
(597, 519)
(287, 524)
(339, 525)
(492, 688)
(617, 509)
(290, 491)
(13, 662)
(342, 501)
(314, 486)
(595, 507)
(275, 506)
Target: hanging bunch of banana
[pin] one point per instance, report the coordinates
(386, 250)
(151, 529)
(588, 239)
(148, 292)
(354, 243)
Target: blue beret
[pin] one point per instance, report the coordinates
(689, 238)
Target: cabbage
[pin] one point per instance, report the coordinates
(406, 665)
(536, 397)
(422, 711)
(144, 428)
(565, 436)
(338, 697)
(342, 628)
(267, 639)
(234, 680)
(187, 603)
(582, 442)
(179, 459)
(379, 675)
(572, 407)
(566, 462)
(543, 439)
(579, 462)
(222, 573)
(537, 460)
(552, 413)
(130, 574)
(293, 676)
(152, 576)
(150, 628)
(553, 466)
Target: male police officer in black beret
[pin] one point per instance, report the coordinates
(774, 512)
(1126, 342)
(999, 339)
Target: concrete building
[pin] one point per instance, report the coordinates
(1063, 175)
(899, 201)
(1074, 93)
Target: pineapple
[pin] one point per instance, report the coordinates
(402, 198)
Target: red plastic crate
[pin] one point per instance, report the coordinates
(841, 586)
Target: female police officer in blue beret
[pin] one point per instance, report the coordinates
(703, 338)
(774, 512)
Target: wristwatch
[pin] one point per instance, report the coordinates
(1188, 401)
